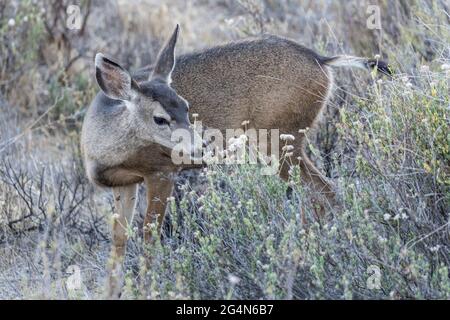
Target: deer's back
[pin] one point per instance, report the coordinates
(271, 81)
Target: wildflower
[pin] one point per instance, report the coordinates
(435, 248)
(115, 216)
(377, 56)
(287, 137)
(243, 138)
(404, 79)
(382, 240)
(288, 148)
(233, 279)
(235, 144)
(404, 216)
(232, 147)
(170, 199)
(245, 123)
(240, 140)
(387, 217)
(229, 21)
(11, 22)
(303, 131)
(396, 217)
(424, 69)
(289, 154)
(408, 85)
(445, 67)
(380, 81)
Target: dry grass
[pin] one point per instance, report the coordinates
(385, 144)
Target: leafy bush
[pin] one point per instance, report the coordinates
(242, 238)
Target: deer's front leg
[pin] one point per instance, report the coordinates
(159, 188)
(124, 202)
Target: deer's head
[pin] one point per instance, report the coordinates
(152, 108)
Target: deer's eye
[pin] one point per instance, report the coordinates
(161, 121)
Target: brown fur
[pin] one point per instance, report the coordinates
(273, 82)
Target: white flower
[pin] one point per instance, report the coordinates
(170, 199)
(387, 216)
(229, 21)
(396, 217)
(435, 248)
(380, 81)
(246, 122)
(116, 216)
(382, 239)
(237, 143)
(408, 85)
(11, 22)
(303, 131)
(243, 138)
(287, 137)
(377, 56)
(287, 148)
(233, 279)
(445, 67)
(424, 68)
(289, 154)
(232, 148)
(404, 216)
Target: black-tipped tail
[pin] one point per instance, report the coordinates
(381, 66)
(358, 62)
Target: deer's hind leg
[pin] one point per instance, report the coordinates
(124, 201)
(311, 177)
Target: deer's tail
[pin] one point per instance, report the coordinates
(357, 62)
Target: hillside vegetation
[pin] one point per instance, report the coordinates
(232, 233)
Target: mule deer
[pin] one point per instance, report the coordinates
(271, 81)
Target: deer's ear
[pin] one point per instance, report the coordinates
(166, 59)
(114, 80)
